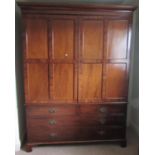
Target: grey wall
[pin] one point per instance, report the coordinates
(134, 91)
(133, 107)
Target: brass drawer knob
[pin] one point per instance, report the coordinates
(101, 132)
(52, 122)
(103, 110)
(52, 135)
(102, 121)
(52, 110)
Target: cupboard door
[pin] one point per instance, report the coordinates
(117, 65)
(117, 31)
(90, 82)
(36, 39)
(63, 39)
(63, 82)
(37, 82)
(116, 81)
(92, 39)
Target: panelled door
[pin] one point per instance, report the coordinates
(103, 60)
(90, 60)
(36, 61)
(70, 60)
(62, 58)
(117, 59)
(50, 60)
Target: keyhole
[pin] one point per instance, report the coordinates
(66, 54)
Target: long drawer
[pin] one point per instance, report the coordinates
(61, 110)
(75, 134)
(71, 121)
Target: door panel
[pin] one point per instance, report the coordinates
(63, 82)
(37, 82)
(92, 39)
(36, 39)
(117, 39)
(90, 82)
(116, 81)
(63, 39)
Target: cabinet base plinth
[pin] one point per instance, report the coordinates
(124, 143)
(28, 147)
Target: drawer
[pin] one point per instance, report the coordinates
(75, 134)
(71, 121)
(72, 110)
(102, 109)
(54, 110)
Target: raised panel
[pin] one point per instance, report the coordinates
(63, 39)
(116, 81)
(92, 39)
(37, 82)
(117, 32)
(36, 39)
(90, 77)
(63, 82)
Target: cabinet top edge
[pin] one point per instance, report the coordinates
(92, 6)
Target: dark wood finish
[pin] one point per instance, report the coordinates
(123, 143)
(78, 133)
(83, 120)
(37, 82)
(90, 82)
(116, 81)
(77, 9)
(116, 74)
(30, 5)
(72, 110)
(117, 31)
(91, 48)
(36, 38)
(63, 80)
(63, 39)
(28, 147)
(76, 72)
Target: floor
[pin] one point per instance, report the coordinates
(95, 149)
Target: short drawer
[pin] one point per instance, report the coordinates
(54, 110)
(75, 134)
(102, 109)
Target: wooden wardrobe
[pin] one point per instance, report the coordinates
(76, 72)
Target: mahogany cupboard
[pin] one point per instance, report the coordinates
(76, 72)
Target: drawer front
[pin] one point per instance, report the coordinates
(54, 110)
(103, 110)
(72, 110)
(71, 121)
(75, 134)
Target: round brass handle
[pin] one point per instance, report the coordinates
(102, 121)
(52, 110)
(52, 122)
(101, 132)
(103, 110)
(52, 135)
